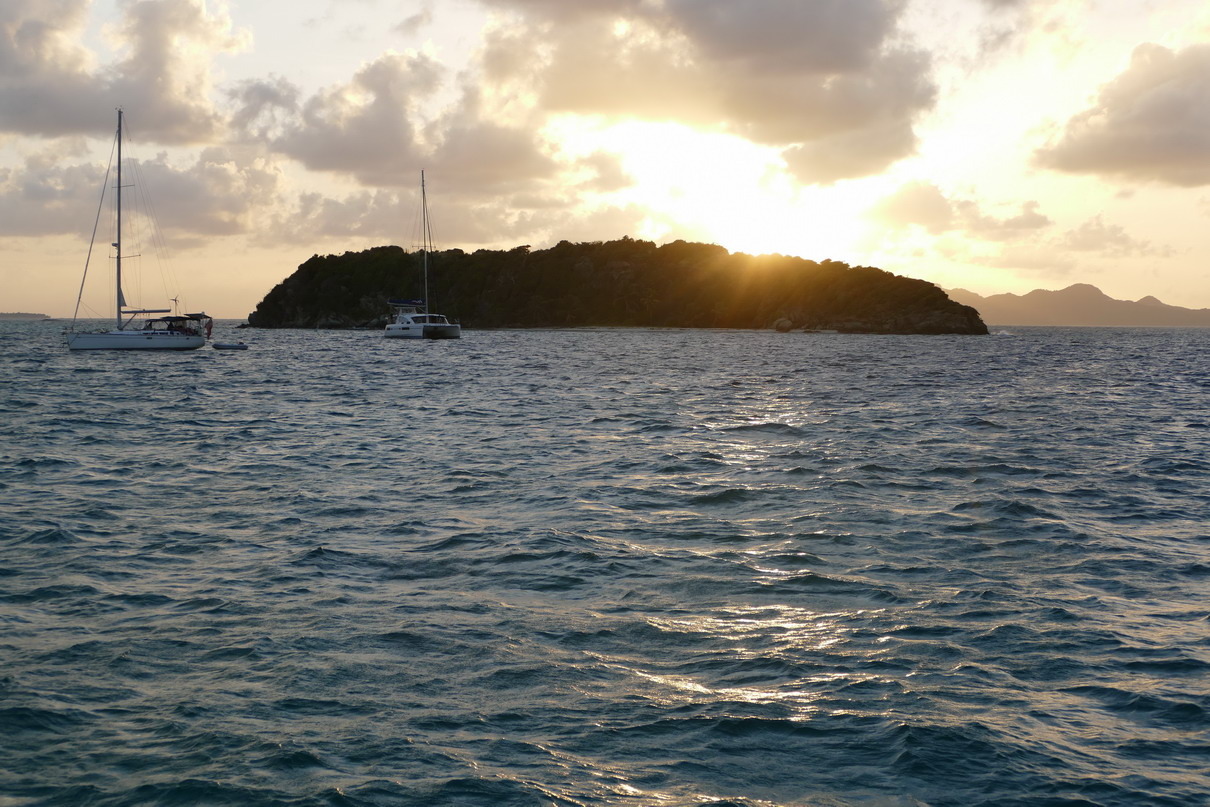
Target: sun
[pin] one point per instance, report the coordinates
(720, 188)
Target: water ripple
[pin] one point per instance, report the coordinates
(607, 567)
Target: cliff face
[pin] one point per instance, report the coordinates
(615, 283)
(1082, 305)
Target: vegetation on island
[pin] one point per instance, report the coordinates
(622, 283)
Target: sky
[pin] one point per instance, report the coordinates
(992, 145)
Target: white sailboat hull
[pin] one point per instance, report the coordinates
(134, 340)
(176, 332)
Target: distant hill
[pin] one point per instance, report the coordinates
(21, 315)
(613, 284)
(1080, 304)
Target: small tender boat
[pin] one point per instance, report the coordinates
(176, 332)
(229, 346)
(412, 319)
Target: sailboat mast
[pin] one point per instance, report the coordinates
(426, 236)
(118, 242)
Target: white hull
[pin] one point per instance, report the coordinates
(134, 340)
(418, 331)
(176, 332)
(412, 317)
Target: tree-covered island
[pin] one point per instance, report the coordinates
(623, 283)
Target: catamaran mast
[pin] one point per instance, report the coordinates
(426, 236)
(118, 301)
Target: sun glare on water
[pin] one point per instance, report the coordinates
(720, 188)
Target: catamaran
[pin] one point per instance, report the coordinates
(412, 319)
(133, 328)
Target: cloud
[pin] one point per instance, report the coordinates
(413, 24)
(1112, 240)
(850, 154)
(824, 80)
(605, 172)
(221, 193)
(561, 11)
(1149, 124)
(368, 128)
(46, 197)
(51, 86)
(478, 155)
(963, 232)
(1030, 259)
(777, 37)
(370, 214)
(923, 204)
(44, 75)
(374, 129)
(919, 203)
(483, 151)
(264, 109)
(990, 228)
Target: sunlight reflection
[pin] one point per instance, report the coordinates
(764, 643)
(755, 629)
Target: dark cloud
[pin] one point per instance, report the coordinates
(786, 36)
(1150, 124)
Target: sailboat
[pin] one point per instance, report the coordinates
(133, 328)
(412, 319)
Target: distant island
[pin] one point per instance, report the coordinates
(1080, 304)
(622, 283)
(21, 315)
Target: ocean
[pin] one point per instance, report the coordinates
(607, 567)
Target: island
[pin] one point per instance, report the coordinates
(21, 315)
(622, 283)
(1081, 305)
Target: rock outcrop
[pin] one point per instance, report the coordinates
(614, 284)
